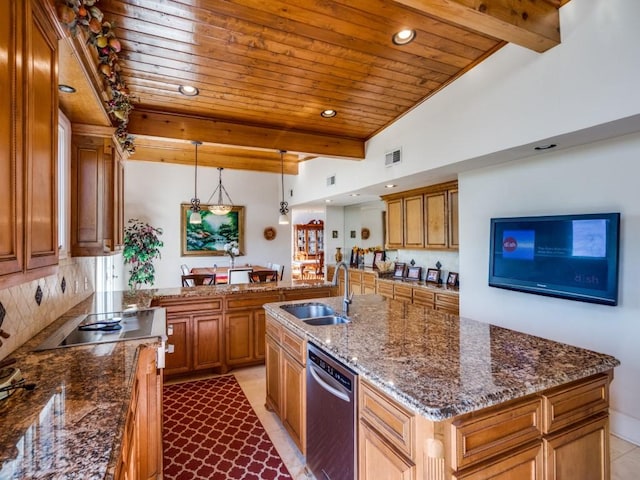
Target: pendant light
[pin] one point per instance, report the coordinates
(195, 218)
(220, 208)
(283, 219)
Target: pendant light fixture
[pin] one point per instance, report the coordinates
(283, 219)
(220, 208)
(195, 218)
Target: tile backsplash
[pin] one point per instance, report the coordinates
(24, 317)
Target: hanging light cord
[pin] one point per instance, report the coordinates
(284, 206)
(195, 201)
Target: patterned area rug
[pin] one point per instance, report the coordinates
(211, 432)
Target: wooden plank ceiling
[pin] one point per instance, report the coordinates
(265, 70)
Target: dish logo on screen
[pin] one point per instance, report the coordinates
(518, 244)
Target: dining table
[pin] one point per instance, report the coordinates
(222, 273)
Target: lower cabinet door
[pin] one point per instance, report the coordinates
(379, 460)
(294, 400)
(273, 354)
(259, 323)
(207, 341)
(580, 452)
(178, 337)
(525, 464)
(239, 337)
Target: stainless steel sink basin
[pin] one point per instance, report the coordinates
(327, 320)
(309, 310)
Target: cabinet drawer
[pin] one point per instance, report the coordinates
(368, 280)
(403, 292)
(479, 437)
(273, 329)
(570, 404)
(295, 345)
(301, 294)
(214, 304)
(526, 464)
(385, 289)
(423, 297)
(391, 421)
(248, 301)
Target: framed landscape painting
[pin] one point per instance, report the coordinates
(209, 237)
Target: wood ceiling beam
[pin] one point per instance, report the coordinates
(157, 124)
(531, 24)
(185, 156)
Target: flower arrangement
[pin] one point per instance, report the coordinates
(365, 250)
(86, 15)
(141, 248)
(232, 249)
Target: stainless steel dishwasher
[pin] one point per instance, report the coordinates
(331, 417)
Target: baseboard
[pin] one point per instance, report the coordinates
(624, 426)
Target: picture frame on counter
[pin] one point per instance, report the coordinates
(433, 275)
(378, 256)
(414, 273)
(398, 271)
(452, 279)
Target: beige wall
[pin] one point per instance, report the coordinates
(24, 317)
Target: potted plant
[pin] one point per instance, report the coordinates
(141, 248)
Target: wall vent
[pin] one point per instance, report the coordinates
(331, 180)
(393, 157)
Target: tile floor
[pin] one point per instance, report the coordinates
(625, 456)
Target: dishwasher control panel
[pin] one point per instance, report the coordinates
(326, 367)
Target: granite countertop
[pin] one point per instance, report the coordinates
(71, 425)
(441, 365)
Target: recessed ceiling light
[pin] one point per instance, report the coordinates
(403, 37)
(355, 194)
(328, 113)
(391, 185)
(188, 90)
(66, 88)
(546, 147)
(328, 200)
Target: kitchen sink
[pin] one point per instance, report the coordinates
(327, 320)
(309, 310)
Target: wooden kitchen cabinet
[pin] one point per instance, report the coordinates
(97, 223)
(385, 288)
(379, 460)
(141, 451)
(395, 224)
(309, 238)
(414, 215)
(286, 379)
(424, 218)
(369, 280)
(28, 143)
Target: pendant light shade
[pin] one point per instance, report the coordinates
(220, 208)
(195, 218)
(283, 219)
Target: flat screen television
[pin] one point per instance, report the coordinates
(566, 256)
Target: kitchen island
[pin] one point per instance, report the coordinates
(448, 397)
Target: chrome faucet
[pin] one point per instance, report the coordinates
(347, 298)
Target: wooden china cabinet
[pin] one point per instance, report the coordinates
(309, 239)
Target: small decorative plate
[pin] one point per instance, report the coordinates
(364, 233)
(269, 233)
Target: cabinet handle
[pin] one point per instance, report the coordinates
(170, 330)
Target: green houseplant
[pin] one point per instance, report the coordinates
(141, 247)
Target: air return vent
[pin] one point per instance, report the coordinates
(331, 180)
(393, 157)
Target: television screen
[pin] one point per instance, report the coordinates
(567, 256)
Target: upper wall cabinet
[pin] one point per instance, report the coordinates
(425, 218)
(97, 224)
(28, 142)
(309, 239)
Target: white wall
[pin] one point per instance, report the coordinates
(154, 192)
(600, 177)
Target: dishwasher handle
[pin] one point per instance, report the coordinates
(322, 383)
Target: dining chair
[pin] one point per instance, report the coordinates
(263, 276)
(319, 266)
(238, 275)
(278, 268)
(185, 269)
(193, 279)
